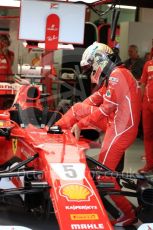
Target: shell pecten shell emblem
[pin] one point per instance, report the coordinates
(75, 192)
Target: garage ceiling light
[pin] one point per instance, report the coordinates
(41, 45)
(10, 3)
(16, 3)
(124, 7)
(60, 46)
(86, 1)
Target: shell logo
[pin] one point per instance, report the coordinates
(75, 192)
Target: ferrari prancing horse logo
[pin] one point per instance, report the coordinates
(14, 145)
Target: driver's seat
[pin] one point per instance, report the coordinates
(34, 116)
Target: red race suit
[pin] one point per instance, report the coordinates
(115, 110)
(5, 68)
(147, 111)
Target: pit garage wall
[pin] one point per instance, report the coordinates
(138, 33)
(15, 44)
(22, 55)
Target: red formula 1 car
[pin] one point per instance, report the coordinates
(51, 162)
(50, 170)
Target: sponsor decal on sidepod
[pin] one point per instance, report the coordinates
(87, 226)
(75, 192)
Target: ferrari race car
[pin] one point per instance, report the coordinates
(50, 171)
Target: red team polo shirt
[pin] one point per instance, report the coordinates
(147, 79)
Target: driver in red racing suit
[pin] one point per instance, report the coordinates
(114, 108)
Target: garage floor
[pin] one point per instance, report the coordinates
(16, 216)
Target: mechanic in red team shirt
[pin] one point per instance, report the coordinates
(114, 108)
(6, 58)
(147, 113)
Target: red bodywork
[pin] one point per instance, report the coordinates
(76, 201)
